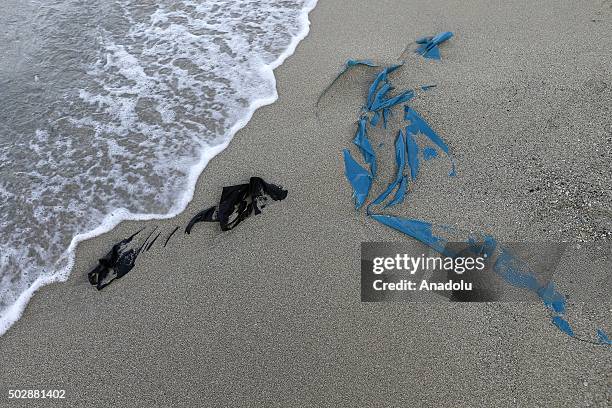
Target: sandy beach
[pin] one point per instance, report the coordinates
(269, 314)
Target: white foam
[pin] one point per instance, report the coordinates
(124, 108)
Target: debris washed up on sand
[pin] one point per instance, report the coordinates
(409, 153)
(428, 46)
(237, 203)
(119, 261)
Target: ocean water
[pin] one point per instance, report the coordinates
(110, 110)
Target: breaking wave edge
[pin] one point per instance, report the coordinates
(14, 312)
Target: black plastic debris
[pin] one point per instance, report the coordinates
(170, 236)
(153, 241)
(119, 261)
(238, 202)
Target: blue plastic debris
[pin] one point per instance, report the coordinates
(603, 337)
(352, 63)
(380, 95)
(506, 265)
(514, 271)
(385, 114)
(360, 179)
(361, 140)
(551, 298)
(381, 103)
(418, 125)
(428, 47)
(563, 325)
(400, 193)
(413, 155)
(400, 159)
(375, 119)
(429, 153)
(381, 78)
(419, 230)
(347, 66)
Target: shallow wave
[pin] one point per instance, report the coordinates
(117, 121)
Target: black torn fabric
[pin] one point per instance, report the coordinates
(153, 241)
(119, 261)
(238, 202)
(170, 236)
(208, 215)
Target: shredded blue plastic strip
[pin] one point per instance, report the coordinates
(375, 119)
(390, 102)
(507, 266)
(429, 153)
(361, 140)
(380, 78)
(352, 63)
(551, 298)
(400, 193)
(386, 113)
(358, 177)
(428, 47)
(418, 125)
(400, 159)
(413, 155)
(563, 325)
(347, 66)
(603, 337)
(419, 230)
(514, 271)
(380, 96)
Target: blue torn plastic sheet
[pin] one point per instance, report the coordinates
(419, 230)
(413, 155)
(429, 153)
(385, 114)
(351, 63)
(400, 159)
(519, 274)
(507, 266)
(361, 140)
(428, 46)
(375, 119)
(348, 65)
(563, 325)
(358, 177)
(418, 125)
(603, 337)
(381, 78)
(513, 270)
(381, 103)
(551, 298)
(400, 193)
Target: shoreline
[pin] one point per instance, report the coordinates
(269, 313)
(119, 215)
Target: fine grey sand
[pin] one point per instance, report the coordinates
(269, 314)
